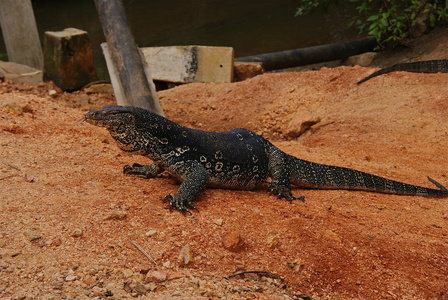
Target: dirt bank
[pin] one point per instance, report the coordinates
(68, 214)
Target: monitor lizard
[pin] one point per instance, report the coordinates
(427, 66)
(235, 159)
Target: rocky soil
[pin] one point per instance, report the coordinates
(71, 224)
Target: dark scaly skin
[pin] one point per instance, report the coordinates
(236, 159)
(428, 66)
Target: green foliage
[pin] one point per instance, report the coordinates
(389, 21)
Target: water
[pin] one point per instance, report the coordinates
(250, 27)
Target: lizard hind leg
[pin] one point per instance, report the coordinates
(280, 173)
(145, 171)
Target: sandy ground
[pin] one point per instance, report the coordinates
(68, 214)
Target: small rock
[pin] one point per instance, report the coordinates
(155, 276)
(218, 222)
(127, 273)
(239, 268)
(300, 122)
(296, 265)
(89, 280)
(175, 275)
(152, 286)
(185, 255)
(362, 60)
(71, 277)
(166, 264)
(233, 241)
(56, 242)
(57, 285)
(151, 232)
(304, 296)
(273, 241)
(13, 108)
(117, 215)
(52, 93)
(245, 70)
(15, 253)
(32, 235)
(135, 288)
(76, 233)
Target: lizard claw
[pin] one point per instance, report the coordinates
(179, 205)
(284, 192)
(127, 169)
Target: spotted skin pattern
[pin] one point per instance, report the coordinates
(236, 159)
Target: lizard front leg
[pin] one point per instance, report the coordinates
(280, 173)
(195, 179)
(145, 171)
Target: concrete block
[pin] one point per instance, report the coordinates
(184, 64)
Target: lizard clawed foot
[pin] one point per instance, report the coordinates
(127, 169)
(176, 204)
(139, 170)
(284, 192)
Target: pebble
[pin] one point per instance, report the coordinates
(166, 264)
(218, 222)
(175, 275)
(89, 280)
(233, 241)
(151, 232)
(52, 93)
(301, 122)
(76, 233)
(57, 285)
(127, 273)
(32, 235)
(56, 242)
(297, 265)
(273, 241)
(137, 289)
(155, 276)
(71, 277)
(117, 215)
(185, 255)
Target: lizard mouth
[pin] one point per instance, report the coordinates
(95, 118)
(109, 119)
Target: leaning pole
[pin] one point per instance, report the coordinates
(125, 55)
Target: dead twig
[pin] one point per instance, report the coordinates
(259, 273)
(139, 248)
(12, 166)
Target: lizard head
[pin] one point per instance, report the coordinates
(111, 117)
(121, 121)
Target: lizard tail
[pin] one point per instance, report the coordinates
(381, 72)
(312, 175)
(428, 66)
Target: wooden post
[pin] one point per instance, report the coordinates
(125, 55)
(20, 33)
